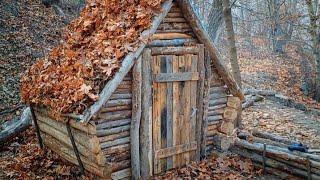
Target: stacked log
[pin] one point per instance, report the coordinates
(173, 31)
(56, 137)
(272, 151)
(222, 113)
(113, 129)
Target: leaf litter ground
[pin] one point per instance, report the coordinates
(283, 75)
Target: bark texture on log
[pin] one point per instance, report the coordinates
(275, 153)
(287, 167)
(136, 116)
(250, 101)
(15, 127)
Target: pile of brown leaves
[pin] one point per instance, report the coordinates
(73, 74)
(217, 167)
(23, 159)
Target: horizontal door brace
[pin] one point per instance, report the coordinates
(171, 77)
(170, 151)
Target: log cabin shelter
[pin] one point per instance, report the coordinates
(171, 102)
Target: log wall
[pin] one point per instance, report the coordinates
(55, 136)
(113, 129)
(223, 110)
(173, 31)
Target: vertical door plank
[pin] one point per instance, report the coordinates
(185, 136)
(163, 110)
(181, 109)
(156, 115)
(146, 154)
(169, 111)
(175, 113)
(193, 104)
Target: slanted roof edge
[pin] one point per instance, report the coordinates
(203, 37)
(126, 65)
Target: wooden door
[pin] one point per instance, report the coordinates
(176, 81)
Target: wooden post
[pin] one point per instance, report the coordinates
(264, 158)
(146, 163)
(135, 123)
(34, 118)
(201, 70)
(75, 149)
(208, 74)
(309, 168)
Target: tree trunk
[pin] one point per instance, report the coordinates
(313, 13)
(317, 57)
(306, 77)
(231, 39)
(276, 33)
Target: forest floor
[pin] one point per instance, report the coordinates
(280, 74)
(28, 30)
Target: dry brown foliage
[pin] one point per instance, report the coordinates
(70, 78)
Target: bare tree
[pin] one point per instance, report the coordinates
(314, 30)
(276, 31)
(231, 41)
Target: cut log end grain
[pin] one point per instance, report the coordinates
(223, 142)
(227, 127)
(234, 102)
(230, 114)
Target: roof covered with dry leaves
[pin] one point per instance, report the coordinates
(70, 78)
(106, 35)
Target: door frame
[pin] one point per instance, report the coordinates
(146, 144)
